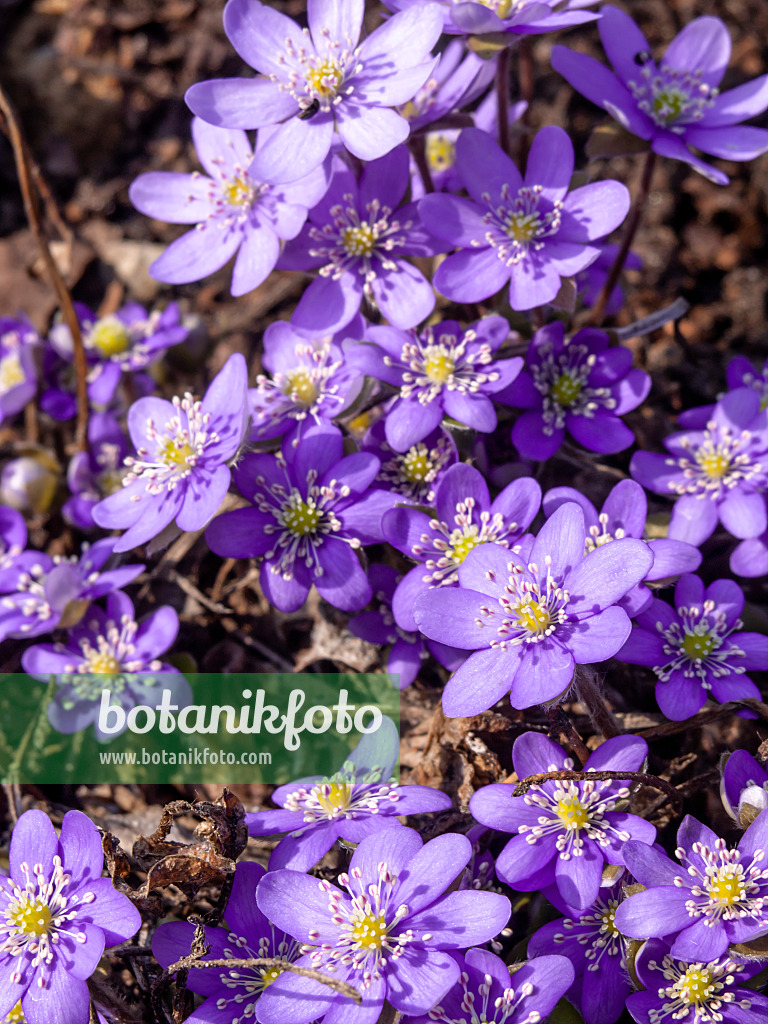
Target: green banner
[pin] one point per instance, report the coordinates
(198, 728)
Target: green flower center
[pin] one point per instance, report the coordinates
(301, 518)
(565, 390)
(698, 645)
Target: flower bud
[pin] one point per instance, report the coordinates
(30, 482)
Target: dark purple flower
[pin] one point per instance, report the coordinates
(743, 787)
(695, 992)
(321, 83)
(313, 509)
(356, 239)
(13, 541)
(407, 648)
(58, 914)
(480, 873)
(564, 833)
(59, 395)
(42, 590)
(312, 380)
(713, 898)
(230, 995)
(675, 104)
(387, 935)
(98, 472)
(597, 950)
(446, 370)
(108, 650)
(697, 649)
(242, 204)
(181, 469)
(516, 17)
(18, 373)
(487, 986)
(579, 384)
(624, 514)
(465, 517)
(415, 473)
(530, 621)
(123, 342)
(528, 232)
(590, 281)
(358, 800)
(718, 474)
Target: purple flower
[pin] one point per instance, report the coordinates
(528, 232)
(387, 935)
(516, 17)
(459, 78)
(234, 994)
(181, 469)
(480, 873)
(675, 104)
(578, 384)
(415, 473)
(488, 987)
(13, 541)
(96, 473)
(590, 281)
(407, 648)
(597, 950)
(718, 474)
(313, 509)
(41, 590)
(321, 83)
(465, 518)
(564, 833)
(696, 649)
(356, 239)
(243, 204)
(743, 787)
(446, 370)
(696, 992)
(123, 342)
(311, 382)
(530, 621)
(59, 396)
(108, 650)
(713, 898)
(358, 800)
(58, 915)
(623, 514)
(18, 373)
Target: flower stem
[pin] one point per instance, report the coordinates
(597, 315)
(502, 95)
(418, 150)
(560, 725)
(600, 714)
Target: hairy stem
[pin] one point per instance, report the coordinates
(601, 716)
(502, 96)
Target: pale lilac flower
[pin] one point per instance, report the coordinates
(18, 373)
(514, 17)
(242, 204)
(181, 469)
(323, 82)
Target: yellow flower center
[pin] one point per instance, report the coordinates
(174, 453)
(370, 931)
(571, 812)
(416, 465)
(523, 227)
(359, 425)
(32, 917)
(325, 79)
(533, 618)
(462, 543)
(270, 975)
(727, 887)
(695, 986)
(438, 365)
(359, 240)
(565, 390)
(299, 384)
(238, 191)
(100, 661)
(110, 336)
(715, 465)
(501, 7)
(440, 151)
(15, 1016)
(669, 103)
(301, 518)
(333, 797)
(697, 645)
(11, 372)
